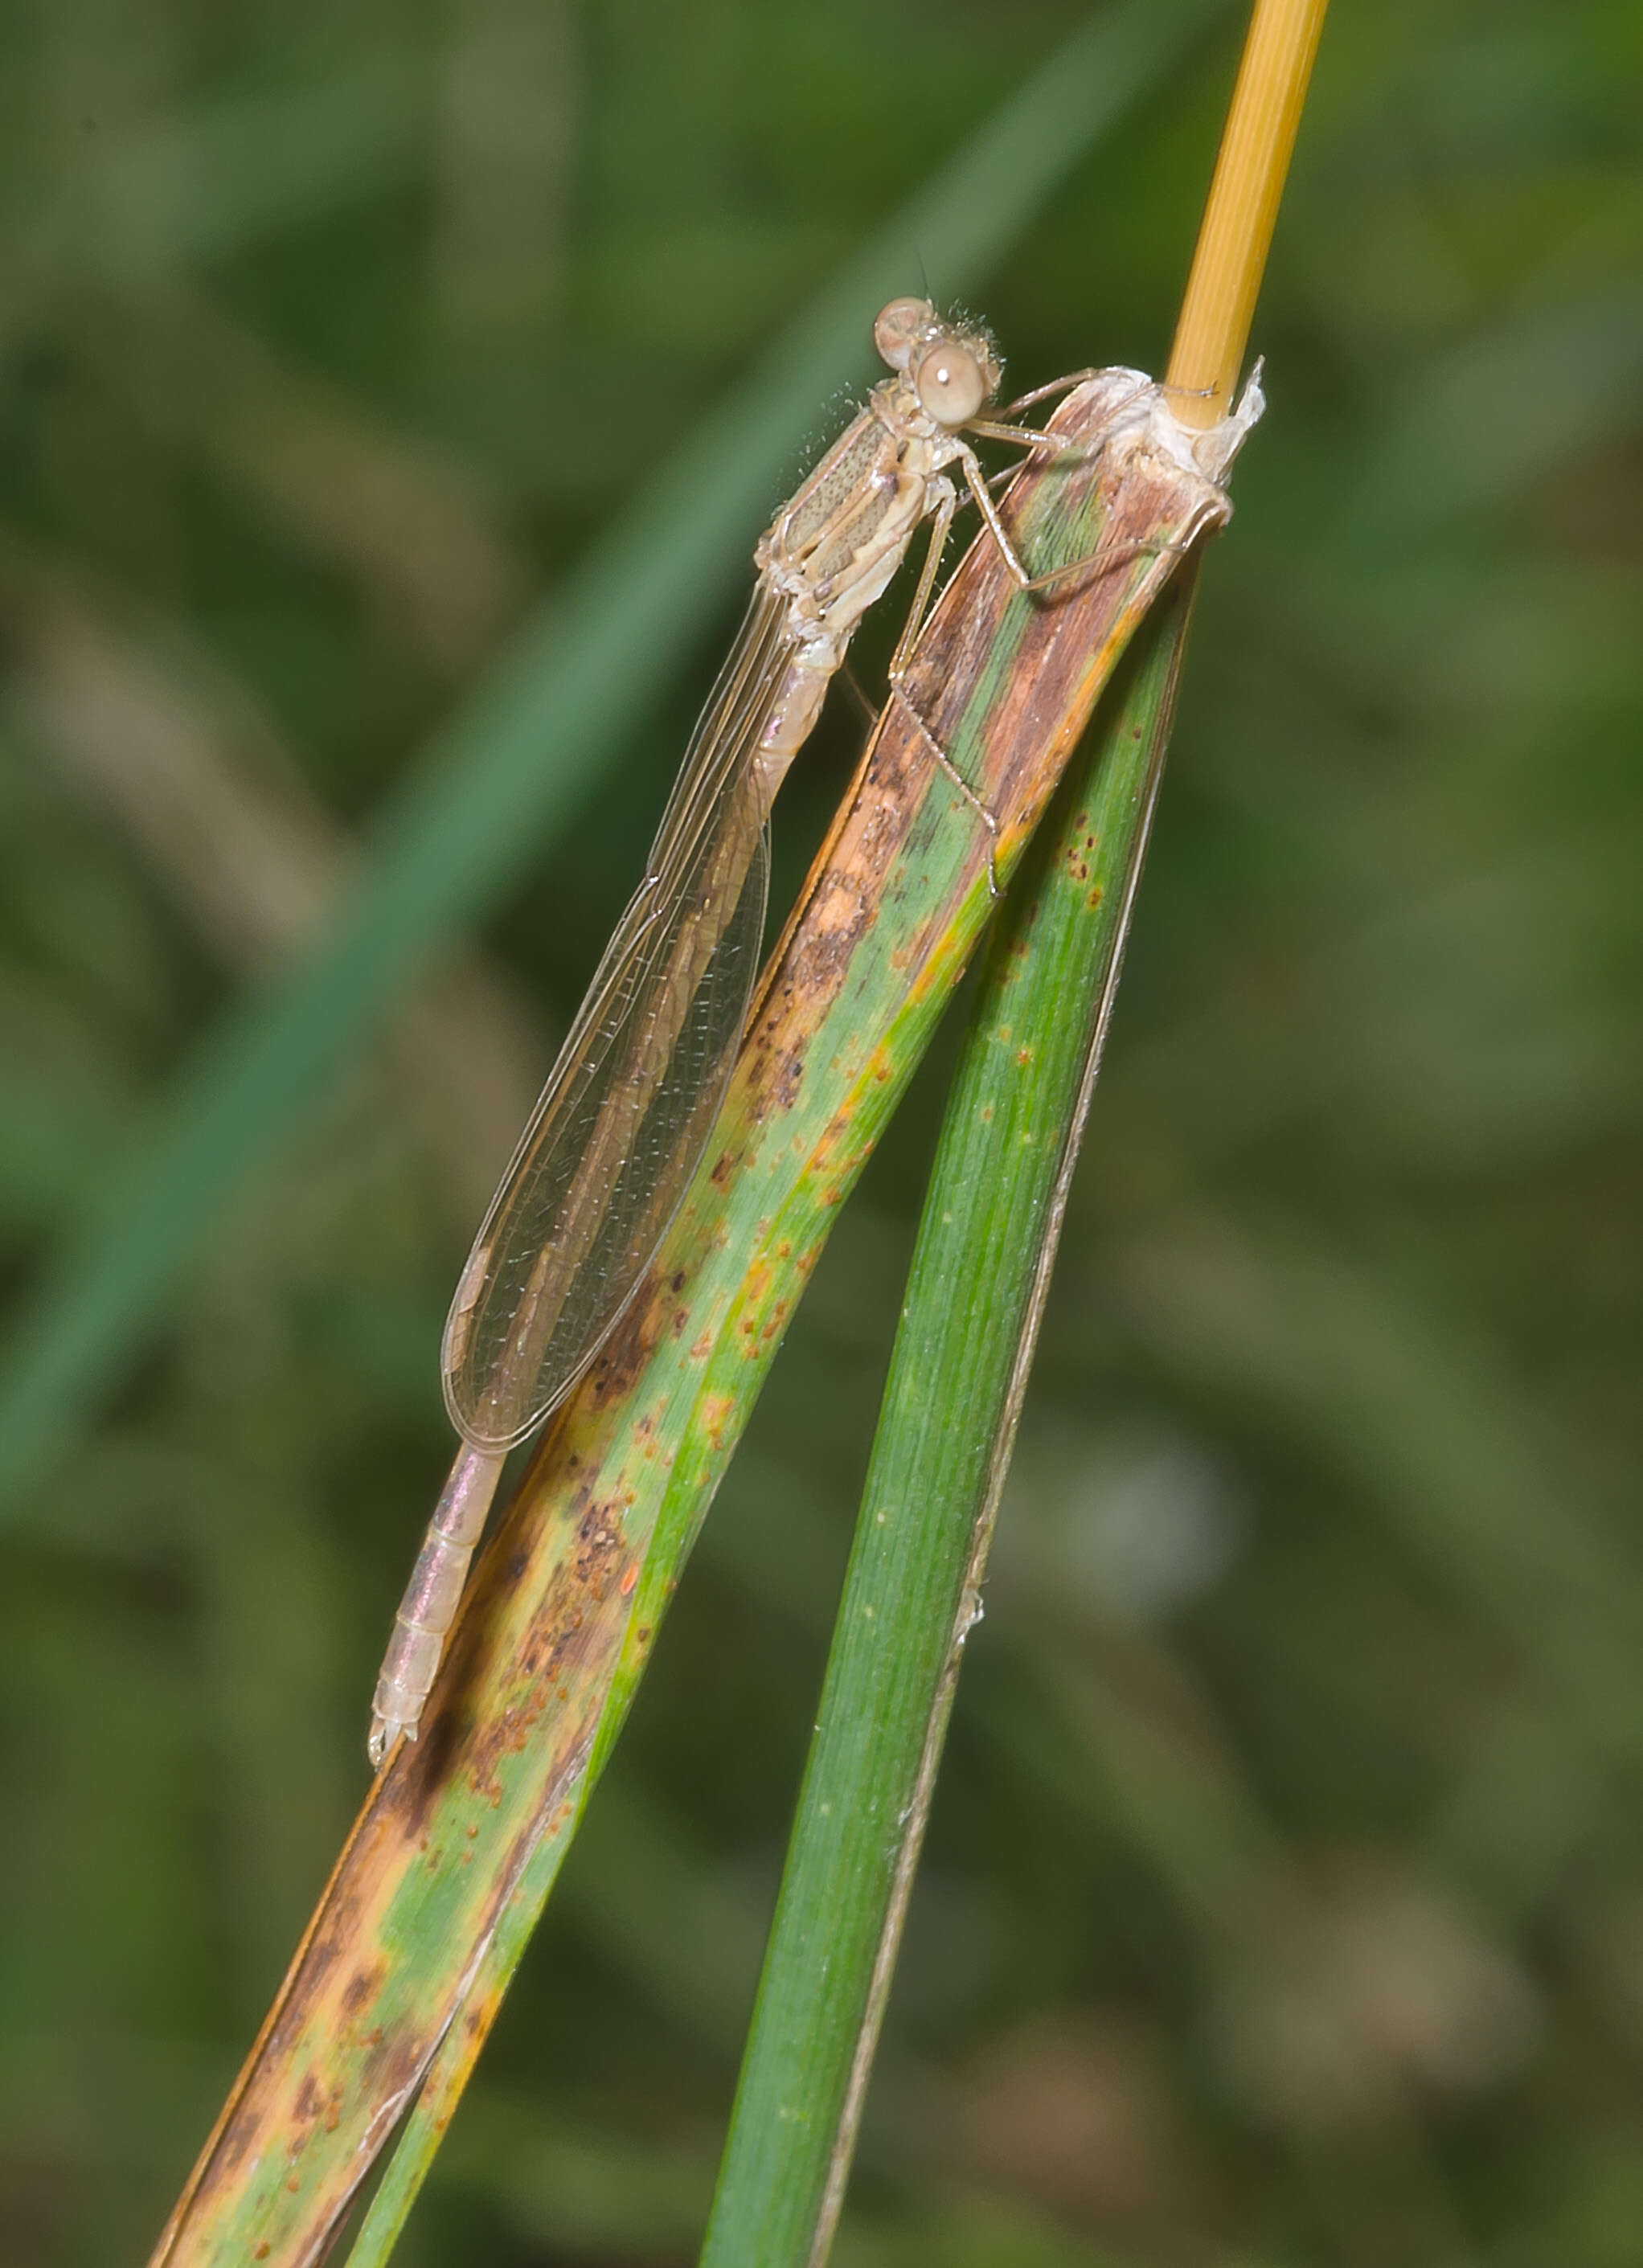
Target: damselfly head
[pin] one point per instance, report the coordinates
(954, 370)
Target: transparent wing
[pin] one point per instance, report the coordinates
(620, 1128)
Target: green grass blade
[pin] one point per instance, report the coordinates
(582, 674)
(986, 1242)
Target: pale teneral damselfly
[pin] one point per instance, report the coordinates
(622, 1125)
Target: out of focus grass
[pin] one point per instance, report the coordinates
(1283, 1901)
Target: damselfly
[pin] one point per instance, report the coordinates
(622, 1125)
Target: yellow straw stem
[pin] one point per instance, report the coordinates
(1219, 305)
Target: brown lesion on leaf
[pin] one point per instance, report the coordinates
(725, 1167)
(363, 1987)
(784, 1082)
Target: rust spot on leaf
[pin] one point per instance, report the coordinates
(716, 1412)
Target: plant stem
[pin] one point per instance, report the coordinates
(1213, 329)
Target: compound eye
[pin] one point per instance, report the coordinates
(951, 383)
(898, 326)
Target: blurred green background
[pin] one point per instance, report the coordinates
(1284, 1899)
